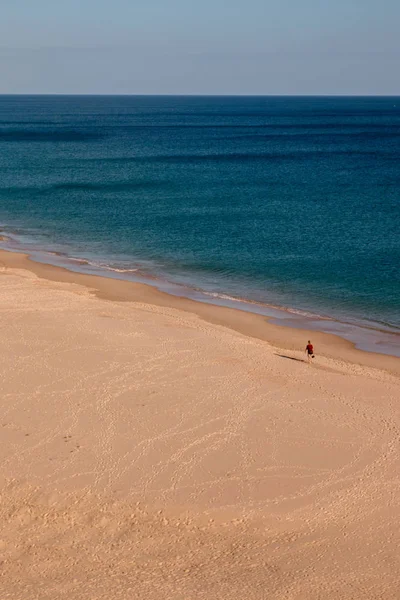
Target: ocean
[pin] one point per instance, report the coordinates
(259, 202)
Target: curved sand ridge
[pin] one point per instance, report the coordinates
(146, 453)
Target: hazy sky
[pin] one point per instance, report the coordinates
(200, 46)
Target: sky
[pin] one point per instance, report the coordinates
(200, 47)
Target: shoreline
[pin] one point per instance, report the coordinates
(367, 336)
(292, 339)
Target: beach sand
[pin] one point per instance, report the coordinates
(157, 448)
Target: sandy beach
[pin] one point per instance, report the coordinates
(154, 447)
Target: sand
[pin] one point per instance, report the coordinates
(156, 448)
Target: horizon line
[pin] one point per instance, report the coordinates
(202, 95)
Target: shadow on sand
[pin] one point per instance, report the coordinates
(289, 357)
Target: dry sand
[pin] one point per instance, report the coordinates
(161, 449)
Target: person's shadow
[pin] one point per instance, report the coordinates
(289, 357)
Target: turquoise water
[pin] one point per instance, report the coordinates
(293, 202)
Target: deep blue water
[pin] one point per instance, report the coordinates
(287, 201)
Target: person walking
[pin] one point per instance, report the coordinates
(309, 351)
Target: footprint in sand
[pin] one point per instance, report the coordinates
(77, 447)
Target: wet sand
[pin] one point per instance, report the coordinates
(156, 447)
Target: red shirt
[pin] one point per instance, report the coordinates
(310, 348)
